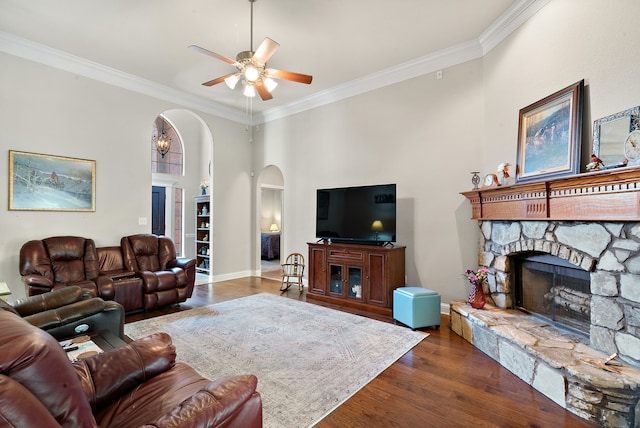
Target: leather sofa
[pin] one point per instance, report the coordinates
(60, 261)
(138, 385)
(68, 312)
(166, 279)
(143, 273)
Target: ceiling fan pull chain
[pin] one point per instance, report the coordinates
(251, 32)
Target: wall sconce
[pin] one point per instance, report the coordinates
(274, 228)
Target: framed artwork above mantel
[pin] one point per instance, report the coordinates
(549, 136)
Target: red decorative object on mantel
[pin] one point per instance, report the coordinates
(476, 293)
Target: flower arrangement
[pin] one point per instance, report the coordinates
(479, 277)
(203, 184)
(476, 293)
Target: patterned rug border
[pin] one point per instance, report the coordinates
(276, 406)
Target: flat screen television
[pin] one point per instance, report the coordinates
(362, 214)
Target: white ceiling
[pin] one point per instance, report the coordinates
(349, 46)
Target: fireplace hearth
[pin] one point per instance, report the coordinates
(591, 222)
(590, 270)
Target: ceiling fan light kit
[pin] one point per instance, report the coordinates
(252, 68)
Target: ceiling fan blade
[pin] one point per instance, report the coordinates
(262, 90)
(212, 54)
(266, 49)
(217, 80)
(288, 75)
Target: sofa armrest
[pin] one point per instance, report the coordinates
(106, 289)
(37, 282)
(149, 281)
(109, 375)
(55, 299)
(66, 314)
(184, 263)
(218, 403)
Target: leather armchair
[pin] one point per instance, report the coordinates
(139, 385)
(166, 279)
(68, 312)
(57, 262)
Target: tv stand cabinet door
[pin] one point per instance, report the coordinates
(376, 279)
(318, 281)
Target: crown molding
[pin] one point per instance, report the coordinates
(428, 64)
(42, 54)
(507, 23)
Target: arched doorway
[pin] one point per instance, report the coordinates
(180, 188)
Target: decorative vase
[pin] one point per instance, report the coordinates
(476, 296)
(204, 192)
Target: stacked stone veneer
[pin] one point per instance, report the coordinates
(553, 362)
(611, 253)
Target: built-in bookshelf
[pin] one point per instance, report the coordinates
(203, 234)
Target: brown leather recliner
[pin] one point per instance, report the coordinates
(139, 385)
(57, 262)
(166, 278)
(68, 312)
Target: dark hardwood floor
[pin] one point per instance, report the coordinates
(442, 382)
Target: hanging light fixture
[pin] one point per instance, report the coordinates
(162, 142)
(252, 68)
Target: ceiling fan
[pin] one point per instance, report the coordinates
(252, 67)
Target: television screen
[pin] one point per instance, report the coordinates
(364, 214)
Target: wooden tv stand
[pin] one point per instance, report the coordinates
(356, 276)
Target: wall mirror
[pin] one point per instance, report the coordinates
(609, 134)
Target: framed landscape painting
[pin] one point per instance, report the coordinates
(51, 183)
(549, 135)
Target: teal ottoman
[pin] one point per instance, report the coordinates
(416, 307)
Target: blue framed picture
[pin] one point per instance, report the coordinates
(40, 182)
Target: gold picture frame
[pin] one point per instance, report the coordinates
(39, 182)
(549, 136)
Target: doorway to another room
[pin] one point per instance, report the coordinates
(270, 233)
(270, 222)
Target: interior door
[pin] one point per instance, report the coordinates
(158, 198)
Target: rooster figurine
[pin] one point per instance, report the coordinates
(503, 169)
(596, 163)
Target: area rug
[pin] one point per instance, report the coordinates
(308, 359)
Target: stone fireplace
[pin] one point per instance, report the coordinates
(553, 289)
(610, 252)
(578, 253)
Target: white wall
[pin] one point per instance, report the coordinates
(421, 134)
(45, 110)
(426, 135)
(566, 41)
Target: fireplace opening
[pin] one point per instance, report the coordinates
(554, 289)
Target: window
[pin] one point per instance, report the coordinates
(171, 163)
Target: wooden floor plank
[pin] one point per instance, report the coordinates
(442, 382)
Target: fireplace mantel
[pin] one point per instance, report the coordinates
(610, 195)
